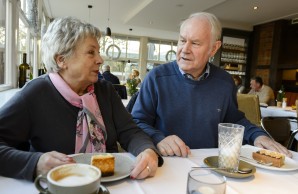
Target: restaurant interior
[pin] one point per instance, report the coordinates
(144, 35)
(259, 38)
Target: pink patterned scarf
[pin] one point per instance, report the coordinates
(90, 133)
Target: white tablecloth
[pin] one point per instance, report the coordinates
(126, 101)
(171, 178)
(275, 111)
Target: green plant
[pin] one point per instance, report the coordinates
(281, 94)
(132, 84)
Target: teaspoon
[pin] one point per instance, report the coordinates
(244, 170)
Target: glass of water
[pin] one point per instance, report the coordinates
(205, 181)
(230, 138)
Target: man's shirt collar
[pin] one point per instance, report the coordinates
(202, 77)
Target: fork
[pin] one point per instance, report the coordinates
(255, 161)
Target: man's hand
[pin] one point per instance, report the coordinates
(267, 143)
(173, 145)
(49, 160)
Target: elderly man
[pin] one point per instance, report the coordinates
(264, 92)
(107, 75)
(181, 103)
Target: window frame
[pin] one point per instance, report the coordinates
(11, 21)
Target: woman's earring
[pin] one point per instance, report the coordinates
(211, 59)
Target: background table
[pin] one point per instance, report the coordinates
(277, 112)
(171, 178)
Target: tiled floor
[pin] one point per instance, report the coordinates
(6, 95)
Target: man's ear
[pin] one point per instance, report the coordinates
(215, 47)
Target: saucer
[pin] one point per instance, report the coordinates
(212, 161)
(103, 190)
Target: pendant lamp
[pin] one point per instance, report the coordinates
(108, 30)
(89, 7)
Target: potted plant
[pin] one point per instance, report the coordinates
(132, 84)
(280, 96)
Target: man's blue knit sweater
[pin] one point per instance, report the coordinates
(171, 104)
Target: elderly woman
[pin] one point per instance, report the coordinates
(69, 110)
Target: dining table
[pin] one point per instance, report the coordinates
(171, 178)
(274, 111)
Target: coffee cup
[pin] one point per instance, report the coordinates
(70, 179)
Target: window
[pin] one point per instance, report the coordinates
(14, 40)
(133, 47)
(24, 6)
(2, 39)
(117, 50)
(120, 47)
(160, 52)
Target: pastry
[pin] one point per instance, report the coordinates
(105, 162)
(265, 156)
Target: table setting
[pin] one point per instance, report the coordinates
(229, 169)
(172, 178)
(247, 169)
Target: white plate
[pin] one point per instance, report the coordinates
(123, 165)
(247, 150)
(263, 104)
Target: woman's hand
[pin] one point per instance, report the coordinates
(146, 165)
(49, 160)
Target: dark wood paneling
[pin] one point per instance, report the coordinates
(289, 47)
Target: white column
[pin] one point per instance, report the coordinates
(143, 57)
(12, 18)
(35, 57)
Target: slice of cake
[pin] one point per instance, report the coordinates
(267, 156)
(105, 162)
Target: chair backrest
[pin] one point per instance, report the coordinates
(121, 90)
(132, 101)
(250, 106)
(280, 130)
(278, 127)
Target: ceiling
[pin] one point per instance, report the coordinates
(161, 18)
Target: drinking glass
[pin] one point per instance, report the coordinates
(205, 181)
(230, 138)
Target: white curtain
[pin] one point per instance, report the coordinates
(32, 15)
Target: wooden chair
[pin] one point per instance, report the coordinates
(250, 106)
(278, 128)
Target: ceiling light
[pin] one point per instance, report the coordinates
(256, 7)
